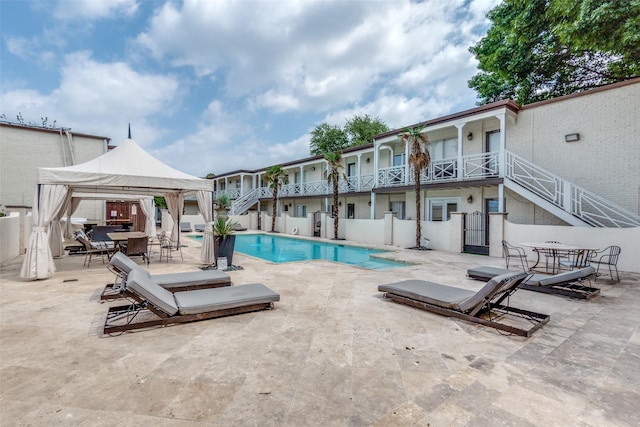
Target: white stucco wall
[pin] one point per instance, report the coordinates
(605, 160)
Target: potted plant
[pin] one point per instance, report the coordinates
(223, 229)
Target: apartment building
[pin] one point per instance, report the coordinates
(573, 160)
(24, 149)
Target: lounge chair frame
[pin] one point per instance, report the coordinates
(137, 308)
(579, 288)
(488, 312)
(538, 319)
(115, 290)
(574, 289)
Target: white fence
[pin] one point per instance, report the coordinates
(443, 236)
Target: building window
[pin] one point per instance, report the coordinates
(398, 160)
(351, 210)
(440, 209)
(301, 211)
(444, 149)
(351, 169)
(399, 208)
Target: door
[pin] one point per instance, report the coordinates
(491, 145)
(476, 233)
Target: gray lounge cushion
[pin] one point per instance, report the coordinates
(566, 277)
(141, 284)
(191, 278)
(123, 263)
(449, 296)
(487, 272)
(428, 292)
(205, 300)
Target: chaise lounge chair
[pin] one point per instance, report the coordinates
(153, 305)
(121, 265)
(484, 306)
(185, 227)
(570, 283)
(199, 228)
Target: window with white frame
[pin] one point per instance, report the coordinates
(443, 149)
(440, 209)
(399, 208)
(301, 211)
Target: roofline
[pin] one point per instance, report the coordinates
(53, 130)
(293, 162)
(598, 89)
(505, 103)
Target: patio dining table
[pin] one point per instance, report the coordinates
(122, 236)
(556, 251)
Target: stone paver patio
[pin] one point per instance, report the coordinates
(333, 352)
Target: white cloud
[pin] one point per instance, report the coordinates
(225, 143)
(98, 98)
(316, 55)
(95, 9)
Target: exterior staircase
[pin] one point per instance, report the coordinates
(243, 203)
(569, 202)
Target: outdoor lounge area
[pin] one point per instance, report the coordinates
(331, 351)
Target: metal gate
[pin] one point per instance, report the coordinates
(317, 224)
(476, 233)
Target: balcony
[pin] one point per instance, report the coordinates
(472, 167)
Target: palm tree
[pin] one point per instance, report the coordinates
(334, 161)
(275, 177)
(419, 160)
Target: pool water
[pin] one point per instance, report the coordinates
(281, 249)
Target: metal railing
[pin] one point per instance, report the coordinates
(573, 199)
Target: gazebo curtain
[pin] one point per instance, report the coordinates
(148, 208)
(205, 204)
(175, 204)
(38, 262)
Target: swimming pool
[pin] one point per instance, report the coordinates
(280, 249)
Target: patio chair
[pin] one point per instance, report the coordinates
(152, 305)
(515, 253)
(551, 254)
(484, 306)
(576, 260)
(138, 246)
(185, 227)
(609, 257)
(94, 248)
(121, 265)
(199, 228)
(573, 284)
(167, 246)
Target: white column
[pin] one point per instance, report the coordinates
(373, 205)
(460, 140)
(503, 144)
(241, 184)
(302, 180)
(376, 160)
(501, 198)
(406, 163)
(358, 171)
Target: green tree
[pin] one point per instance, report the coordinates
(536, 49)
(275, 177)
(361, 129)
(419, 160)
(160, 202)
(334, 161)
(326, 138)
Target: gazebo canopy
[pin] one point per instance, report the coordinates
(125, 170)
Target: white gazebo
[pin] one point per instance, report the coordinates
(127, 170)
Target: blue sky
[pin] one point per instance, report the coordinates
(215, 86)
